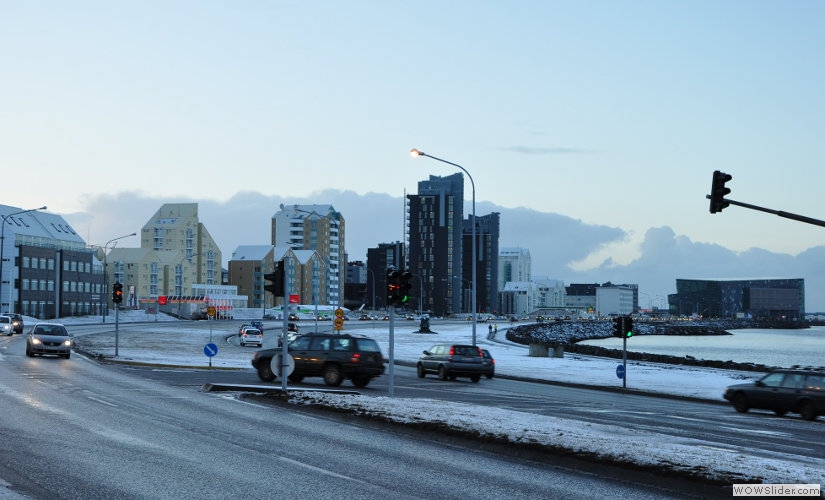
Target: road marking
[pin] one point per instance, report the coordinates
(318, 469)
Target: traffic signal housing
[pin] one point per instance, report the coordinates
(718, 191)
(623, 327)
(276, 280)
(617, 327)
(393, 285)
(628, 327)
(404, 287)
(117, 293)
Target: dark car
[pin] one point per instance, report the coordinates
(489, 364)
(331, 356)
(49, 338)
(258, 324)
(451, 361)
(16, 322)
(782, 391)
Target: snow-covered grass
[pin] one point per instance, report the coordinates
(616, 443)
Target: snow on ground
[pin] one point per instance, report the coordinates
(162, 343)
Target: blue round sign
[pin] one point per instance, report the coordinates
(210, 349)
(620, 371)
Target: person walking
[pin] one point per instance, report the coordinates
(489, 332)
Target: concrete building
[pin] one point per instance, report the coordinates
(322, 229)
(781, 299)
(176, 251)
(46, 269)
(514, 264)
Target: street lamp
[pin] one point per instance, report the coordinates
(3, 245)
(415, 152)
(106, 273)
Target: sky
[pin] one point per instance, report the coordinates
(636, 445)
(593, 127)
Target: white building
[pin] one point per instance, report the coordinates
(514, 264)
(616, 300)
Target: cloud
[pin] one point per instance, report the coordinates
(556, 242)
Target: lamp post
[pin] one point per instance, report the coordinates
(415, 152)
(3, 246)
(106, 273)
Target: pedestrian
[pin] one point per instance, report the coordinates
(495, 330)
(490, 331)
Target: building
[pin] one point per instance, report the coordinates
(764, 298)
(379, 260)
(322, 229)
(46, 269)
(176, 252)
(602, 299)
(356, 291)
(436, 242)
(514, 264)
(487, 268)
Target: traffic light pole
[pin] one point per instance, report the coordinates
(624, 356)
(780, 213)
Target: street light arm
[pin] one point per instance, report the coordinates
(415, 152)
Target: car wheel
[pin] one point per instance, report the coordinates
(475, 378)
(442, 373)
(421, 371)
(295, 378)
(780, 413)
(29, 352)
(243, 345)
(740, 403)
(488, 375)
(332, 375)
(68, 355)
(807, 410)
(360, 381)
(265, 372)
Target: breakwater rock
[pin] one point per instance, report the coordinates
(568, 333)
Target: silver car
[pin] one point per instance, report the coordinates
(49, 338)
(6, 326)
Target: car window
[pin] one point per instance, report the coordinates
(793, 381)
(815, 382)
(341, 344)
(368, 345)
(773, 379)
(320, 344)
(301, 343)
(56, 330)
(5, 319)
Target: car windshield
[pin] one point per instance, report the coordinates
(56, 330)
(368, 345)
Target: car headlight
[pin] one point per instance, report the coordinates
(36, 340)
(67, 342)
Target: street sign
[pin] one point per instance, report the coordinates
(210, 349)
(275, 364)
(210, 311)
(338, 324)
(620, 371)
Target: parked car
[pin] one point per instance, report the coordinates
(451, 361)
(782, 391)
(331, 356)
(16, 322)
(252, 336)
(6, 326)
(49, 338)
(489, 364)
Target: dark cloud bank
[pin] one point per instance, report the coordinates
(555, 241)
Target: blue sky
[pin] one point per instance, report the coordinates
(606, 118)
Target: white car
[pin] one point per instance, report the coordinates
(6, 326)
(252, 336)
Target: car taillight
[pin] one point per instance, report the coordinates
(480, 353)
(452, 350)
(356, 357)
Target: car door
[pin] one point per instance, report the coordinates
(299, 350)
(316, 355)
(766, 392)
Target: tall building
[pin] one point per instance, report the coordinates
(436, 217)
(176, 251)
(487, 252)
(319, 228)
(514, 264)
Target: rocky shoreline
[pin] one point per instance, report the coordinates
(567, 334)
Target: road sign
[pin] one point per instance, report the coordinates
(210, 349)
(620, 371)
(338, 324)
(210, 311)
(339, 313)
(275, 364)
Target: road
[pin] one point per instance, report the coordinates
(78, 429)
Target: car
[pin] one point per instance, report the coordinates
(293, 317)
(252, 336)
(258, 324)
(782, 391)
(244, 327)
(452, 361)
(489, 364)
(335, 357)
(49, 338)
(16, 321)
(6, 325)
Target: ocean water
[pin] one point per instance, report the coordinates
(782, 348)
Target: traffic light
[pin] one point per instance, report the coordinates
(404, 287)
(718, 191)
(393, 285)
(617, 327)
(628, 327)
(276, 279)
(117, 293)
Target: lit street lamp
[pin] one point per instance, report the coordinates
(415, 152)
(2, 246)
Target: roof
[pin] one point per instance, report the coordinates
(38, 224)
(252, 252)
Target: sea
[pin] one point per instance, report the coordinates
(780, 348)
